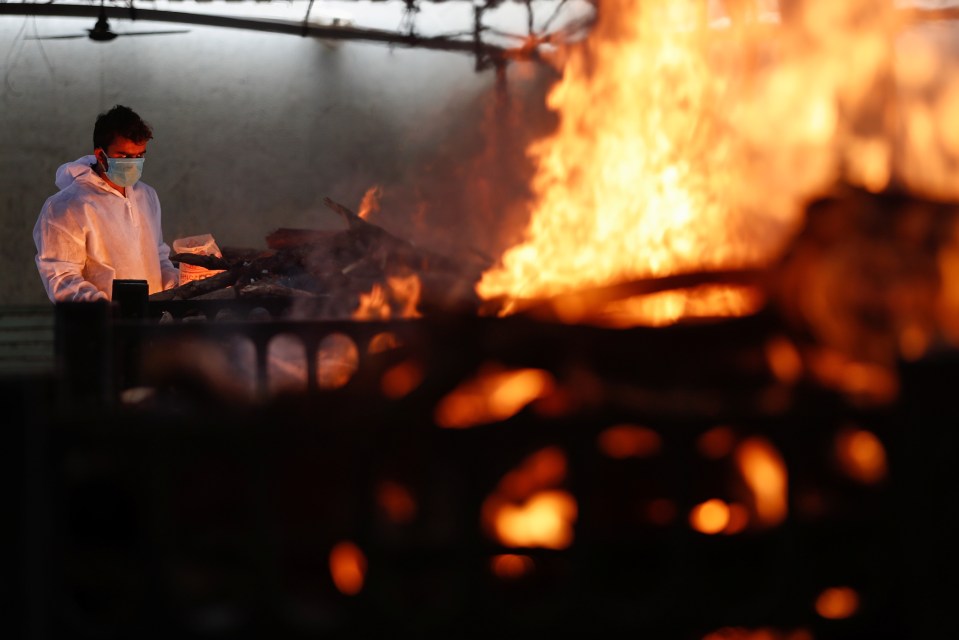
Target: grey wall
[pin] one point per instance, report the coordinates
(253, 130)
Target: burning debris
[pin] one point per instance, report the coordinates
(363, 272)
(609, 457)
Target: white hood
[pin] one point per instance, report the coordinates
(79, 170)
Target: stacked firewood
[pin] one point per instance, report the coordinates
(326, 272)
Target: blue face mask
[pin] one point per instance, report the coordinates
(124, 172)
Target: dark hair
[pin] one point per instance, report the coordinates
(119, 121)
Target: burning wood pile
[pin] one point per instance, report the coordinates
(363, 272)
(550, 474)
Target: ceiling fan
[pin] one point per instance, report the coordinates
(101, 31)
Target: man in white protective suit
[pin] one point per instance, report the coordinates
(103, 224)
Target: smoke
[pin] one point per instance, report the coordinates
(466, 195)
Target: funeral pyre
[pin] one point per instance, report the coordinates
(364, 272)
(771, 474)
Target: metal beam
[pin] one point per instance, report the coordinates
(489, 53)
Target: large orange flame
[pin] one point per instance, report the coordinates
(686, 147)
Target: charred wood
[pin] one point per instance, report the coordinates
(333, 270)
(214, 263)
(272, 290)
(229, 293)
(206, 285)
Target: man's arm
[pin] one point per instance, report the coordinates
(171, 275)
(61, 253)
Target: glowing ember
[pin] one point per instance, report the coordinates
(396, 501)
(836, 603)
(667, 307)
(347, 567)
(763, 633)
(784, 360)
(383, 342)
(861, 455)
(545, 520)
(765, 473)
(738, 519)
(625, 441)
(401, 379)
(710, 517)
(863, 381)
(492, 396)
(511, 566)
(528, 509)
(716, 443)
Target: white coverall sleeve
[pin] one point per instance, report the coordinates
(61, 253)
(171, 275)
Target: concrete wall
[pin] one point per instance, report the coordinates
(253, 130)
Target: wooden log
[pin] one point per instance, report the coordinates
(214, 263)
(206, 285)
(272, 290)
(352, 219)
(366, 233)
(227, 293)
(236, 255)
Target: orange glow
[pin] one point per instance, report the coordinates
(658, 181)
(347, 567)
(370, 202)
(337, 361)
(383, 342)
(861, 455)
(396, 502)
(286, 365)
(528, 509)
(397, 299)
(493, 395)
(837, 603)
(373, 305)
(738, 519)
(401, 379)
(865, 381)
(543, 469)
(765, 474)
(714, 132)
(739, 633)
(663, 308)
(405, 291)
(716, 443)
(545, 520)
(511, 566)
(626, 441)
(914, 341)
(784, 360)
(710, 517)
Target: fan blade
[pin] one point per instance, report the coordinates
(151, 33)
(79, 35)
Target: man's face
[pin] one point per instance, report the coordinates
(120, 148)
